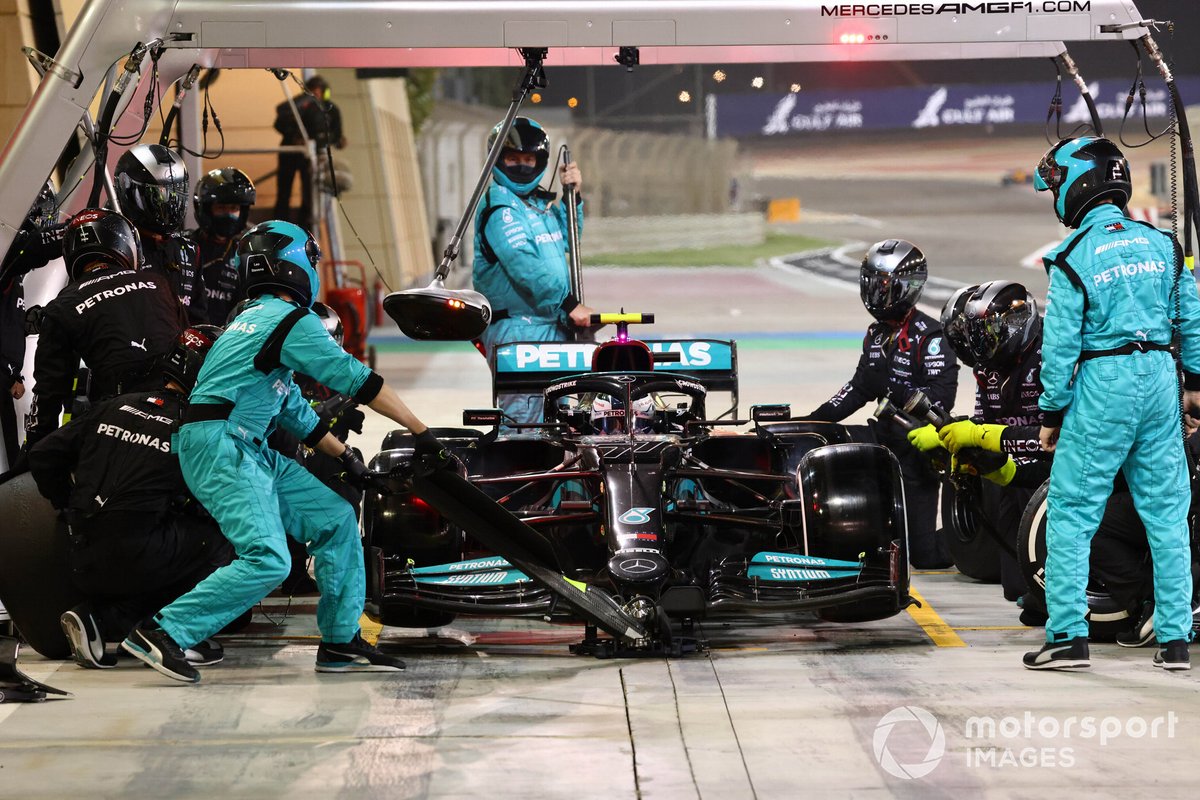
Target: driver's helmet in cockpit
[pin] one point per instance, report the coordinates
(609, 415)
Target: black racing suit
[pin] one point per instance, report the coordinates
(220, 275)
(138, 539)
(120, 322)
(898, 359)
(176, 257)
(12, 360)
(1010, 397)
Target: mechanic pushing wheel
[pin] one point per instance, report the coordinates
(257, 495)
(903, 351)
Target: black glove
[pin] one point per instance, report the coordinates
(357, 474)
(426, 444)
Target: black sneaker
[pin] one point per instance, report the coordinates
(1071, 654)
(205, 653)
(87, 645)
(1142, 632)
(355, 655)
(1173, 655)
(154, 646)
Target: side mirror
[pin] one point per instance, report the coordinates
(771, 413)
(482, 416)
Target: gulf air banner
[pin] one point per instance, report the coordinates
(954, 105)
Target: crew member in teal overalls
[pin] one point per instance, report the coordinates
(1111, 398)
(258, 496)
(520, 254)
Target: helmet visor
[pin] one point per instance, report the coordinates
(881, 291)
(987, 335)
(165, 204)
(1050, 174)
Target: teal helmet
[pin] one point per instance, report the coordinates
(525, 136)
(1082, 172)
(277, 256)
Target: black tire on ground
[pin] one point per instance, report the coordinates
(35, 586)
(976, 553)
(1106, 617)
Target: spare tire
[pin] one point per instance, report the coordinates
(1106, 617)
(35, 585)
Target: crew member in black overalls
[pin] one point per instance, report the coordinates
(139, 539)
(120, 320)
(903, 351)
(222, 202)
(152, 186)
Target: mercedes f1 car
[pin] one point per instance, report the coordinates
(630, 490)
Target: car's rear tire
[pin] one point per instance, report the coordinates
(35, 586)
(1106, 617)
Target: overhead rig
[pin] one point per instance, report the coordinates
(230, 34)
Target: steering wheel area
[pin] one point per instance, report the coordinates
(673, 401)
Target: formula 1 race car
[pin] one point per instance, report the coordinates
(629, 489)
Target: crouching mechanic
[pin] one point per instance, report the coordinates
(903, 351)
(138, 540)
(1111, 398)
(257, 495)
(996, 329)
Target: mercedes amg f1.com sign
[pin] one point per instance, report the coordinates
(935, 9)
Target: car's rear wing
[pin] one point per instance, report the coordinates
(527, 367)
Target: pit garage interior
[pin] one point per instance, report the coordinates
(929, 702)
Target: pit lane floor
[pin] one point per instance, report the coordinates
(781, 708)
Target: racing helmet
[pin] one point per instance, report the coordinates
(225, 186)
(891, 278)
(525, 136)
(278, 256)
(954, 324)
(1002, 322)
(237, 309)
(183, 363)
(97, 234)
(609, 415)
(152, 187)
(331, 320)
(1082, 172)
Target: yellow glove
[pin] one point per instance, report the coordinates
(924, 439)
(1004, 475)
(965, 433)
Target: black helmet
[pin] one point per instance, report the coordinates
(280, 256)
(1082, 172)
(892, 276)
(183, 363)
(525, 136)
(1002, 322)
(97, 234)
(152, 187)
(237, 309)
(331, 320)
(954, 324)
(226, 186)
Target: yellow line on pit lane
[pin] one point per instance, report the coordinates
(370, 629)
(933, 625)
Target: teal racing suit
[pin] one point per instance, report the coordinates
(257, 495)
(1110, 382)
(521, 267)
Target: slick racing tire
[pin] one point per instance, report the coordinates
(853, 507)
(35, 585)
(1106, 617)
(976, 553)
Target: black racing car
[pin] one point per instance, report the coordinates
(630, 488)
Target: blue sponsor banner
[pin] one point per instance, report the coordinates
(556, 357)
(822, 110)
(794, 567)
